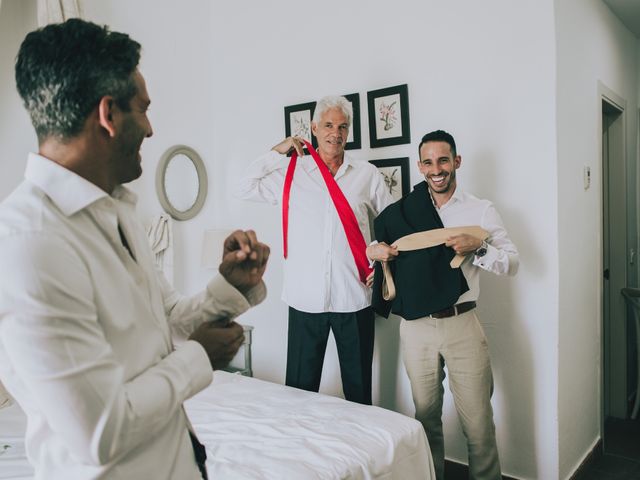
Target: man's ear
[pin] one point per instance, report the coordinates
(457, 161)
(313, 129)
(106, 111)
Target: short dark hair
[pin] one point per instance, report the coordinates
(439, 136)
(64, 69)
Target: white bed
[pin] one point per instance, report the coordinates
(260, 430)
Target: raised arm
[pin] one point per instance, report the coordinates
(204, 317)
(264, 178)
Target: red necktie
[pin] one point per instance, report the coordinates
(349, 223)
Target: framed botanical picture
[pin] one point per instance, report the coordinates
(353, 140)
(389, 116)
(395, 172)
(297, 121)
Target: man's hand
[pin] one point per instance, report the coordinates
(244, 260)
(221, 342)
(288, 144)
(369, 279)
(463, 244)
(382, 252)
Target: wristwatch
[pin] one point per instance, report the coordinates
(482, 249)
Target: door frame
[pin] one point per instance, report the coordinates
(611, 402)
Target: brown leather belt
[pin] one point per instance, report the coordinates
(455, 310)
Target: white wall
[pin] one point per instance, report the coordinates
(176, 61)
(17, 136)
(592, 46)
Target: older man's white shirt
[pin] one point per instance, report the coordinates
(320, 274)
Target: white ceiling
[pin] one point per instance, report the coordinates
(628, 11)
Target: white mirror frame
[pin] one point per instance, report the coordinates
(202, 182)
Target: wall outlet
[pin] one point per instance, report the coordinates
(586, 176)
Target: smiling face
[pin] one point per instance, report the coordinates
(438, 165)
(134, 128)
(331, 132)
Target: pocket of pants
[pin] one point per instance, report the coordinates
(480, 331)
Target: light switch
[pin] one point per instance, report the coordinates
(586, 176)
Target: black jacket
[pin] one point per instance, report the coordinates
(425, 282)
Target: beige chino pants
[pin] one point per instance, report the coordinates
(428, 344)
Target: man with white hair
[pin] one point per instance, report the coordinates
(329, 201)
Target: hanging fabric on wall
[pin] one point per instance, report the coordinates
(5, 399)
(160, 237)
(56, 11)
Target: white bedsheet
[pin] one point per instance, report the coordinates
(260, 430)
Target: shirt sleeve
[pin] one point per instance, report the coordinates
(502, 256)
(219, 300)
(56, 347)
(380, 196)
(264, 179)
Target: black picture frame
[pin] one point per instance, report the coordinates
(354, 131)
(388, 110)
(396, 175)
(297, 121)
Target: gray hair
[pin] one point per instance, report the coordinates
(63, 70)
(333, 101)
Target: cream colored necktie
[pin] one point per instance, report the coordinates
(426, 239)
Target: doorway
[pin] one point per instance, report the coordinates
(614, 234)
(617, 388)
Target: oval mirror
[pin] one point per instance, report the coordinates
(181, 182)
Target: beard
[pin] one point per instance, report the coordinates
(129, 162)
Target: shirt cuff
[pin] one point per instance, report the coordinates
(487, 259)
(229, 300)
(372, 262)
(196, 361)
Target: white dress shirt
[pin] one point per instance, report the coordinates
(85, 342)
(463, 209)
(320, 274)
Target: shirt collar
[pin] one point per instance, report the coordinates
(125, 194)
(67, 190)
(347, 162)
(456, 197)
